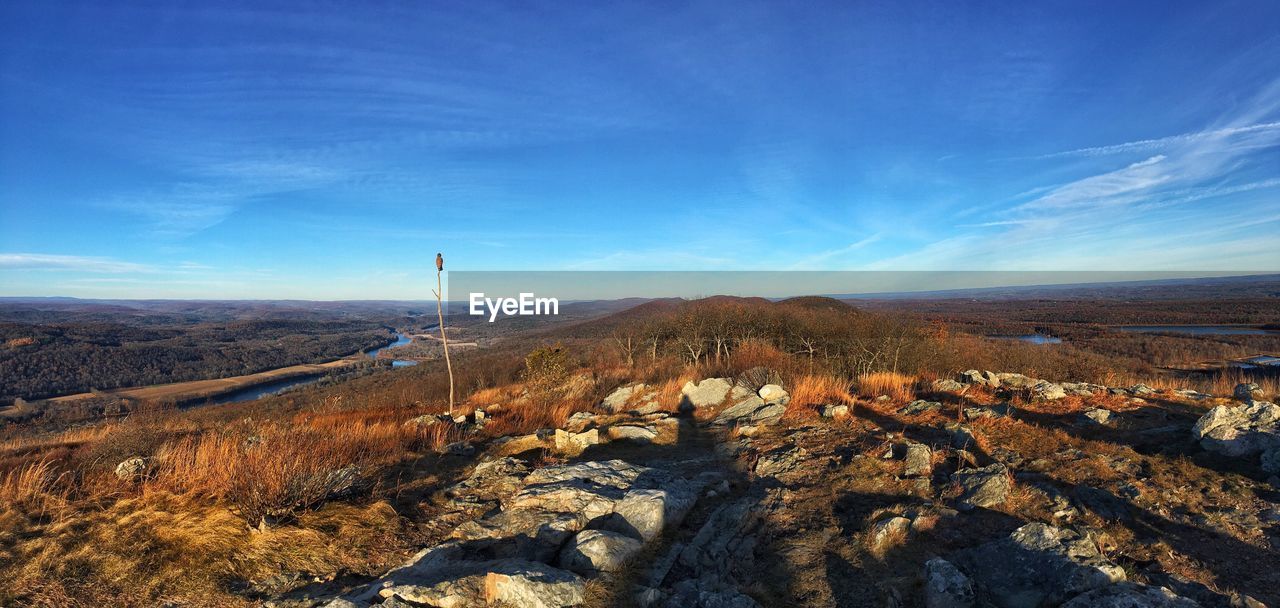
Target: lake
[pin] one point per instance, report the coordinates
(259, 391)
(401, 340)
(1198, 330)
(1032, 338)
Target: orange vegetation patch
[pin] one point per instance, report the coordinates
(895, 385)
(812, 390)
(757, 353)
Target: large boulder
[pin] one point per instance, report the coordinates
(594, 551)
(1015, 381)
(945, 586)
(773, 393)
(709, 392)
(1240, 431)
(617, 400)
(889, 530)
(947, 385)
(586, 488)
(534, 585)
(1037, 565)
(571, 443)
(974, 376)
(1048, 390)
(752, 409)
(919, 460)
(631, 432)
(522, 533)
(983, 487)
(646, 512)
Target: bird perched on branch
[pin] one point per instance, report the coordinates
(439, 262)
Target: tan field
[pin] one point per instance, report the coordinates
(197, 389)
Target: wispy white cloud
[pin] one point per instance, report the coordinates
(655, 259)
(43, 261)
(1099, 189)
(1140, 215)
(816, 261)
(177, 211)
(1145, 145)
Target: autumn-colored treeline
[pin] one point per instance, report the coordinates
(46, 360)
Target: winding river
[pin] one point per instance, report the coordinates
(267, 389)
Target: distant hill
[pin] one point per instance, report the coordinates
(1250, 286)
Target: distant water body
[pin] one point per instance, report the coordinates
(401, 340)
(1032, 338)
(259, 391)
(1198, 330)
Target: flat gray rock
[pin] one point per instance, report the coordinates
(709, 392)
(945, 586)
(984, 487)
(1037, 565)
(591, 552)
(1130, 595)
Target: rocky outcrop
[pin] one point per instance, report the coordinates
(984, 487)
(889, 530)
(1041, 389)
(591, 552)
(533, 585)
(568, 442)
(702, 573)
(707, 393)
(947, 385)
(1037, 565)
(918, 460)
(945, 586)
(563, 523)
(622, 398)
(1097, 415)
(631, 432)
(1243, 430)
(920, 406)
(1130, 595)
(983, 378)
(1048, 390)
(765, 406)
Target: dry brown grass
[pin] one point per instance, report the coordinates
(812, 390)
(895, 385)
(278, 471)
(522, 418)
(162, 545)
(37, 488)
(1222, 383)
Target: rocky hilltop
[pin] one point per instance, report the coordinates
(994, 490)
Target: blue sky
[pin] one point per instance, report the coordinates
(184, 149)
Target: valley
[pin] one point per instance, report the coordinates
(807, 450)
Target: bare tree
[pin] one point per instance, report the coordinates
(444, 338)
(627, 343)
